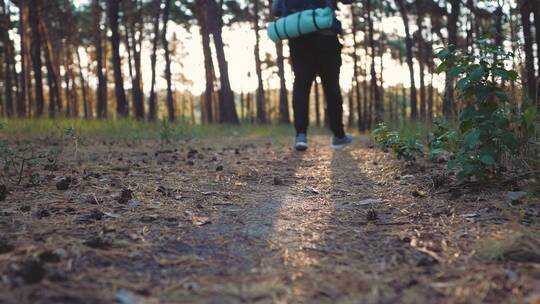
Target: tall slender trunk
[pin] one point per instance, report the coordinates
(261, 111)
(52, 73)
(448, 101)
(86, 102)
(377, 102)
(530, 79)
(101, 93)
(133, 25)
(35, 50)
(9, 60)
(170, 101)
(284, 116)
(421, 58)
(536, 14)
(317, 103)
(409, 47)
(152, 103)
(24, 102)
(355, 81)
(202, 18)
(227, 97)
(364, 123)
(121, 103)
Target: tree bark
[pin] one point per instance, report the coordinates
(152, 103)
(170, 101)
(227, 97)
(529, 79)
(448, 101)
(317, 103)
(101, 93)
(202, 18)
(409, 47)
(421, 59)
(9, 61)
(132, 26)
(24, 102)
(355, 81)
(35, 50)
(536, 14)
(53, 80)
(121, 103)
(86, 102)
(377, 102)
(260, 98)
(284, 116)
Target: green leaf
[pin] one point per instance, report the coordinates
(443, 54)
(477, 74)
(441, 68)
(487, 159)
(502, 96)
(462, 84)
(455, 71)
(472, 138)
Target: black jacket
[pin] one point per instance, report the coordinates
(277, 4)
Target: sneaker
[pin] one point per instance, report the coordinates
(301, 142)
(339, 143)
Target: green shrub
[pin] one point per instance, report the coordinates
(485, 131)
(407, 148)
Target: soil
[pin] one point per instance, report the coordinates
(252, 221)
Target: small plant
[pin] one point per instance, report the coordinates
(406, 148)
(166, 131)
(442, 139)
(485, 132)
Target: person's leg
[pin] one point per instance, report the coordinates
(304, 69)
(328, 67)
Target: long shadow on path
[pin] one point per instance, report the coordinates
(360, 258)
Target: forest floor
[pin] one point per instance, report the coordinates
(249, 220)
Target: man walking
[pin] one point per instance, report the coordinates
(313, 54)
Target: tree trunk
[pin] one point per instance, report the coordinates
(317, 103)
(86, 103)
(101, 93)
(25, 97)
(260, 98)
(409, 47)
(202, 18)
(121, 103)
(377, 102)
(529, 79)
(227, 97)
(132, 26)
(355, 81)
(421, 57)
(170, 101)
(448, 101)
(536, 13)
(53, 80)
(284, 116)
(34, 9)
(152, 103)
(9, 61)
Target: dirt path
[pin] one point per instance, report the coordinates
(254, 222)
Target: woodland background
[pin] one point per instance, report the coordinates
(84, 59)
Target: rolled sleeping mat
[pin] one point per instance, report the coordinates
(301, 23)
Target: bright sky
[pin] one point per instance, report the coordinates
(240, 42)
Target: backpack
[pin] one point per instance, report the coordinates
(283, 8)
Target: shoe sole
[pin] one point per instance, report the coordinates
(339, 147)
(301, 146)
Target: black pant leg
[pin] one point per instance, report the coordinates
(328, 67)
(303, 61)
